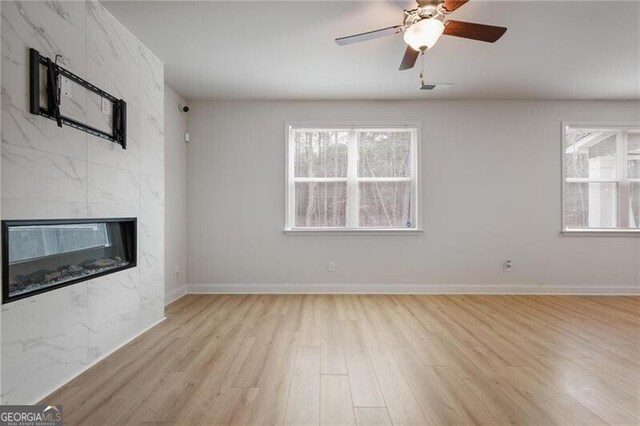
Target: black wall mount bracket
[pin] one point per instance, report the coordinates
(52, 110)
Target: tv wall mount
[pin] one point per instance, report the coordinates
(52, 110)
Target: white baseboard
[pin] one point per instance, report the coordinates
(97, 360)
(175, 294)
(407, 289)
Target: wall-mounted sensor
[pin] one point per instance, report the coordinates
(183, 108)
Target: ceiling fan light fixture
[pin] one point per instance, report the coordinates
(424, 34)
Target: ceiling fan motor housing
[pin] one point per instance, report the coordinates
(418, 14)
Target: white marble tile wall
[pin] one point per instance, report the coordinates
(44, 342)
(114, 304)
(151, 246)
(48, 172)
(36, 175)
(51, 28)
(113, 185)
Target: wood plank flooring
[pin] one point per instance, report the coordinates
(372, 360)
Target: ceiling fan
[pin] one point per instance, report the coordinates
(423, 26)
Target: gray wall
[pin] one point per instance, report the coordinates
(490, 186)
(48, 172)
(175, 125)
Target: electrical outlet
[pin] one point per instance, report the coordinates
(65, 87)
(177, 270)
(106, 106)
(332, 266)
(507, 266)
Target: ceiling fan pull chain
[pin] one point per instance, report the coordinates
(422, 68)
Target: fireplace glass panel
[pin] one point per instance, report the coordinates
(43, 256)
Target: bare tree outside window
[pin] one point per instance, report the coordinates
(321, 155)
(352, 177)
(383, 155)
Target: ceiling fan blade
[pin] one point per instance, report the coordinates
(409, 59)
(370, 35)
(479, 32)
(452, 5)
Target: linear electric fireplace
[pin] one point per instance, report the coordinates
(42, 255)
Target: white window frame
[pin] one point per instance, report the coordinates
(352, 179)
(622, 180)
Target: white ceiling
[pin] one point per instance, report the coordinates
(285, 50)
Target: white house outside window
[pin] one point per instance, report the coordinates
(601, 168)
(357, 178)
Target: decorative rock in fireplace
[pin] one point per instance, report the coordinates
(42, 255)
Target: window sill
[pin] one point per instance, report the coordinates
(601, 233)
(334, 231)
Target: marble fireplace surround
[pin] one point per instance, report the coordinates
(63, 173)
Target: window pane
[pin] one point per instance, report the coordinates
(633, 162)
(385, 204)
(321, 204)
(591, 205)
(590, 154)
(320, 153)
(384, 153)
(633, 167)
(634, 143)
(634, 200)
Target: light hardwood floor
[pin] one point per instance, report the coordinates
(372, 360)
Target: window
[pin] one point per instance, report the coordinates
(352, 178)
(601, 168)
